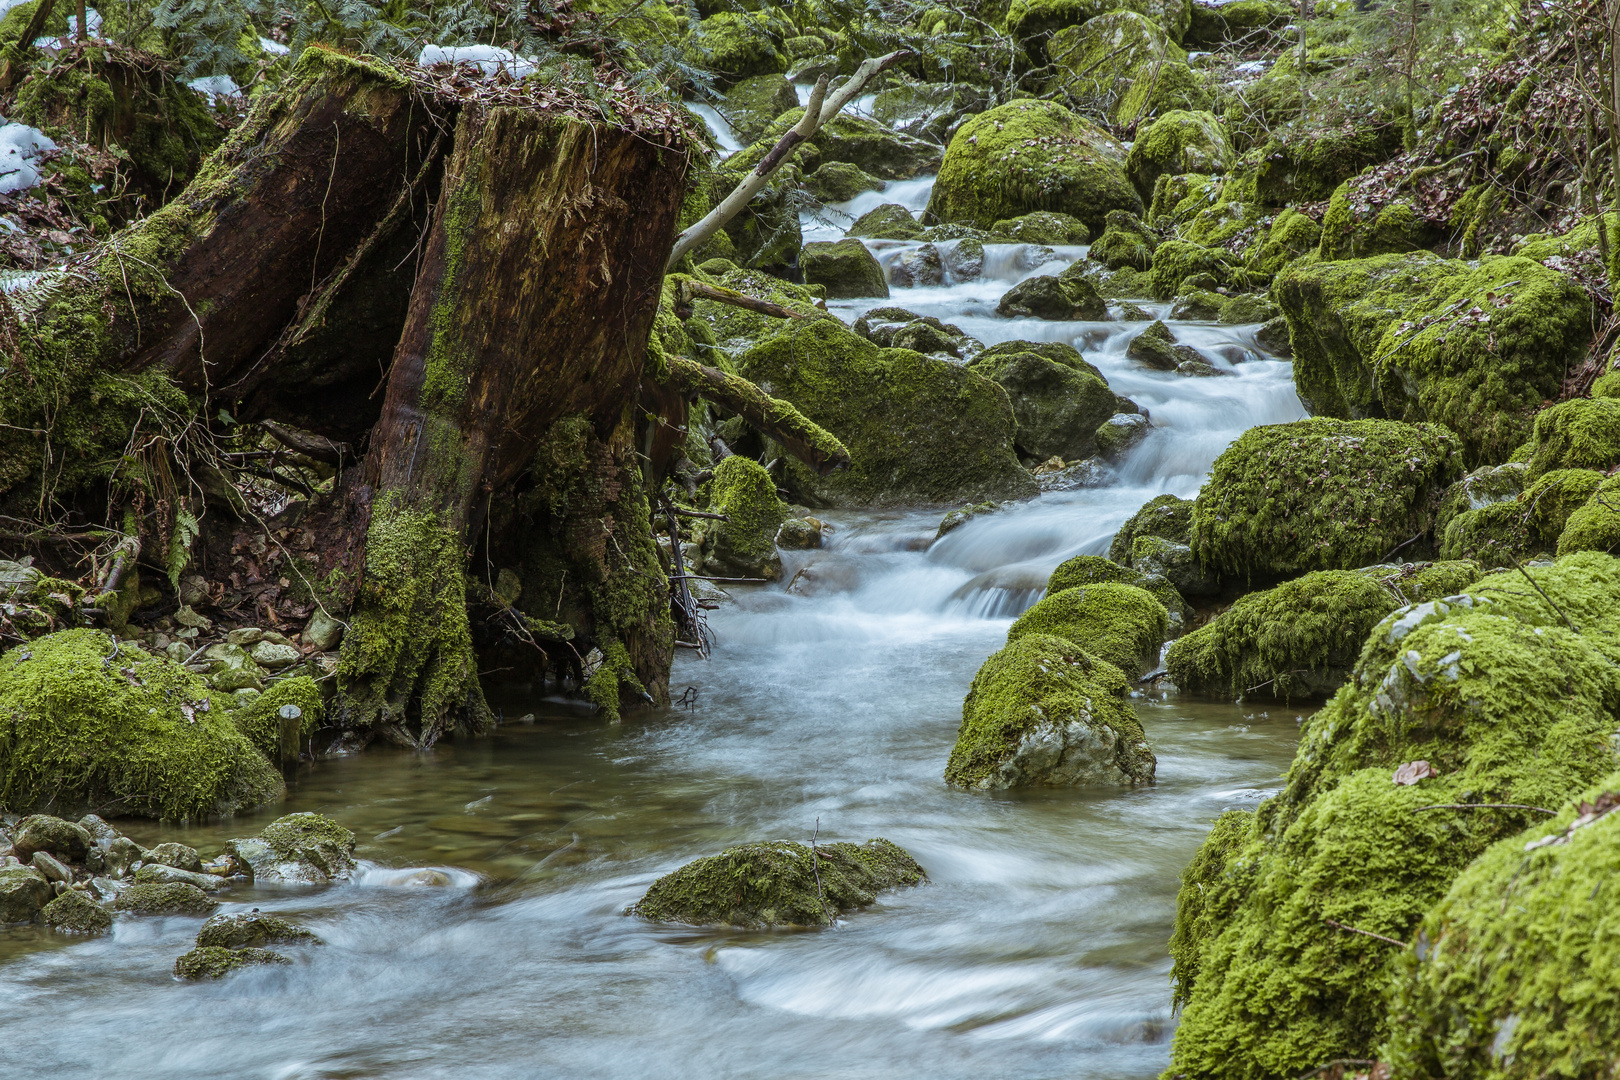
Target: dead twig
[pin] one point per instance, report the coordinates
(1488, 806)
(1567, 620)
(1364, 933)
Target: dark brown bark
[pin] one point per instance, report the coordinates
(538, 286)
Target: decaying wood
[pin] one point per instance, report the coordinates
(691, 289)
(15, 61)
(775, 418)
(310, 445)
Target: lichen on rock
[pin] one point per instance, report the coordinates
(302, 848)
(779, 884)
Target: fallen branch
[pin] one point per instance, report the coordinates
(124, 556)
(690, 290)
(309, 444)
(705, 577)
(1365, 933)
(819, 110)
(684, 512)
(1488, 806)
(1567, 620)
(805, 440)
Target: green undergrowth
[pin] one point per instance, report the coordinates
(1505, 702)
(85, 725)
(1320, 494)
(1043, 712)
(778, 884)
(1113, 621)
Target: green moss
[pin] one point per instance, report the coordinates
(261, 722)
(86, 726)
(1174, 261)
(1350, 232)
(1118, 623)
(918, 429)
(1300, 639)
(1516, 973)
(250, 929)
(1083, 570)
(75, 913)
(1206, 898)
(1320, 495)
(1056, 407)
(744, 492)
(1595, 525)
(407, 658)
(737, 45)
(1582, 433)
(1124, 66)
(1607, 385)
(1043, 227)
(1549, 502)
(1274, 989)
(1031, 155)
(213, 962)
(1292, 236)
(1166, 516)
(172, 898)
(758, 886)
(844, 267)
(1308, 166)
(1494, 535)
(1178, 142)
(1481, 487)
(1043, 712)
(1162, 89)
(1125, 242)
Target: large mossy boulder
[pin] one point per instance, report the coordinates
(1582, 433)
(1043, 712)
(751, 105)
(1031, 155)
(1306, 166)
(1354, 230)
(1300, 639)
(1083, 570)
(94, 723)
(1474, 346)
(1176, 143)
(783, 883)
(918, 429)
(844, 268)
(1595, 525)
(745, 543)
(1485, 698)
(1517, 976)
(891, 221)
(1166, 516)
(1046, 296)
(1320, 494)
(737, 45)
(1119, 623)
(1056, 407)
(1125, 65)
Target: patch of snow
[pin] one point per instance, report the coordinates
(489, 58)
(19, 146)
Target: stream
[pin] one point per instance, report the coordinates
(485, 935)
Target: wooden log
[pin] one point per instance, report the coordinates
(538, 286)
(815, 446)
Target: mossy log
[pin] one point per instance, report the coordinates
(539, 283)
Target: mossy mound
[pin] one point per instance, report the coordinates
(1407, 337)
(839, 181)
(1118, 623)
(1178, 142)
(891, 221)
(1518, 970)
(250, 929)
(168, 898)
(1083, 570)
(1043, 227)
(213, 962)
(1494, 535)
(751, 105)
(737, 45)
(275, 736)
(1595, 525)
(1175, 261)
(75, 913)
(90, 723)
(844, 268)
(1167, 516)
(1031, 155)
(1056, 407)
(1124, 64)
(1047, 297)
(1270, 987)
(918, 429)
(1582, 433)
(1301, 638)
(1354, 231)
(745, 545)
(757, 886)
(1552, 499)
(1125, 243)
(1320, 495)
(1043, 712)
(1306, 166)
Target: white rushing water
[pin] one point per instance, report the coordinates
(1037, 949)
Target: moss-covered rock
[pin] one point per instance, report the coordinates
(169, 898)
(1120, 434)
(736, 45)
(43, 832)
(277, 737)
(758, 886)
(213, 962)
(858, 140)
(1198, 305)
(23, 891)
(1595, 525)
(918, 429)
(75, 913)
(1045, 296)
(1044, 227)
(1085, 570)
(1517, 973)
(303, 848)
(1269, 986)
(1043, 712)
(1155, 347)
(1175, 261)
(844, 268)
(1291, 236)
(1126, 66)
(95, 723)
(1125, 242)
(1178, 142)
(891, 221)
(1494, 535)
(1031, 155)
(1582, 433)
(1167, 516)
(250, 930)
(1118, 623)
(744, 545)
(1056, 407)
(751, 105)
(1552, 499)
(1216, 23)
(1474, 346)
(1300, 639)
(1177, 564)
(1320, 495)
(1357, 231)
(839, 181)
(1308, 165)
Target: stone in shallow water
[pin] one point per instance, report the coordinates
(213, 962)
(159, 874)
(251, 929)
(23, 891)
(75, 913)
(782, 883)
(172, 898)
(304, 848)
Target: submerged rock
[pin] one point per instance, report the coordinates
(757, 886)
(1043, 712)
(212, 962)
(304, 848)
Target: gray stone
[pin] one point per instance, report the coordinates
(23, 891)
(1175, 562)
(118, 855)
(323, 631)
(53, 868)
(158, 874)
(799, 534)
(176, 855)
(75, 913)
(299, 848)
(1119, 433)
(42, 832)
(168, 898)
(270, 655)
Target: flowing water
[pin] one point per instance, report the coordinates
(1036, 949)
